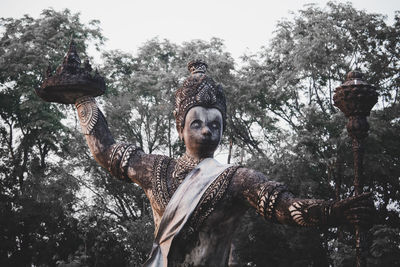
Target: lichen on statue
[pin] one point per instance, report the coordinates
(206, 218)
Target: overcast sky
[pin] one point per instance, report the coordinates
(244, 25)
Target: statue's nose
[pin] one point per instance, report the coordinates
(206, 131)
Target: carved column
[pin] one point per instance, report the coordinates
(355, 98)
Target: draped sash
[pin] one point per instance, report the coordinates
(182, 204)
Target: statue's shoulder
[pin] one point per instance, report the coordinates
(162, 171)
(247, 180)
(244, 175)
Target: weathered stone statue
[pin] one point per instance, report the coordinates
(197, 202)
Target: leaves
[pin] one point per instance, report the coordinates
(57, 206)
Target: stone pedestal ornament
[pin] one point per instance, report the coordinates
(71, 80)
(355, 98)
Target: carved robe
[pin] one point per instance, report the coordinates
(181, 206)
(204, 187)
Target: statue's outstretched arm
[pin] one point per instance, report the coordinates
(276, 203)
(123, 161)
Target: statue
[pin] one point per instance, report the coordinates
(196, 201)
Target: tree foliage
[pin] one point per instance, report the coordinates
(59, 208)
(292, 82)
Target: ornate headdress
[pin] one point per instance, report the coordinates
(198, 90)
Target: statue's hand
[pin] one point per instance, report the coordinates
(354, 210)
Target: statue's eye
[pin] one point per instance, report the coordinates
(195, 124)
(215, 125)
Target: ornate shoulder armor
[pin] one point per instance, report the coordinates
(161, 172)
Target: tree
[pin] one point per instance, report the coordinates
(58, 207)
(292, 80)
(37, 192)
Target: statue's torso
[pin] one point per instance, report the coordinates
(205, 239)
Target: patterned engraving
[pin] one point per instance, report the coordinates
(182, 168)
(128, 153)
(198, 90)
(88, 113)
(119, 159)
(310, 212)
(160, 176)
(167, 178)
(267, 197)
(211, 197)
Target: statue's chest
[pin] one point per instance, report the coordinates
(209, 244)
(168, 174)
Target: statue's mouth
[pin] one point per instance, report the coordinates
(208, 142)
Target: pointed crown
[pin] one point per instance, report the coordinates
(198, 90)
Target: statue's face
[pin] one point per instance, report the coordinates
(202, 131)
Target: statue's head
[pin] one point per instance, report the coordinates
(200, 111)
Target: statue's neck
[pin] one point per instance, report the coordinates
(195, 158)
(189, 160)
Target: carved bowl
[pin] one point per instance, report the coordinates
(67, 88)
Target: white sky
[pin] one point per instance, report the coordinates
(244, 25)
